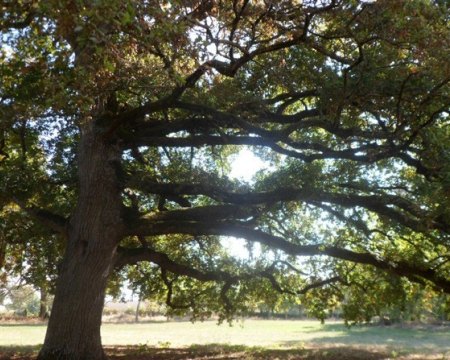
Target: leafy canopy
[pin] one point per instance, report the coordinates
(348, 101)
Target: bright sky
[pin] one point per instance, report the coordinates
(246, 165)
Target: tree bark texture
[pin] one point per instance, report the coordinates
(94, 231)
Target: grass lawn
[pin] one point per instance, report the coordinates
(252, 339)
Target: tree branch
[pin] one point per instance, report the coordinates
(392, 206)
(203, 213)
(231, 228)
(47, 218)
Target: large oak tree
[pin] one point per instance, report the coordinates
(119, 121)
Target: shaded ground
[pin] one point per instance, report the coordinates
(229, 352)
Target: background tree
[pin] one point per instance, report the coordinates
(31, 255)
(119, 121)
(24, 300)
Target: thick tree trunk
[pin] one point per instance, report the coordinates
(73, 331)
(74, 327)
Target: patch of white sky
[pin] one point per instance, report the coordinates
(244, 167)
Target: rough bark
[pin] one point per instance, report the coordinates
(74, 327)
(95, 229)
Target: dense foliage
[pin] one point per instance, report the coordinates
(120, 120)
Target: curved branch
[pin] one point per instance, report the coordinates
(169, 287)
(315, 285)
(223, 295)
(413, 272)
(126, 256)
(53, 221)
(394, 207)
(203, 213)
(129, 117)
(319, 284)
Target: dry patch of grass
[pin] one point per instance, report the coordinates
(19, 320)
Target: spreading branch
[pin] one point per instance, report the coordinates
(394, 207)
(414, 272)
(47, 218)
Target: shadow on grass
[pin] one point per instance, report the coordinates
(215, 352)
(18, 352)
(418, 340)
(210, 352)
(238, 352)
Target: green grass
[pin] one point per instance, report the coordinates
(277, 334)
(280, 334)
(20, 335)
